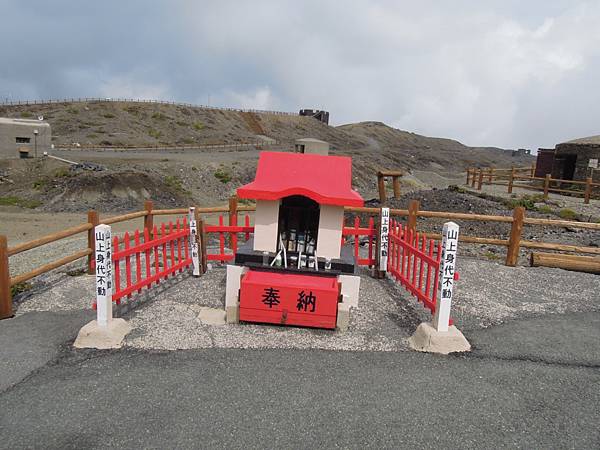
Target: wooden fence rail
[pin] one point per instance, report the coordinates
(514, 242)
(494, 176)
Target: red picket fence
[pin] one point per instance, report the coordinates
(232, 230)
(357, 231)
(414, 261)
(168, 245)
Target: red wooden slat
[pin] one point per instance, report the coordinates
(221, 239)
(356, 226)
(234, 237)
(127, 261)
(116, 267)
(172, 245)
(138, 259)
(415, 260)
(371, 228)
(422, 262)
(147, 252)
(247, 225)
(164, 248)
(186, 241)
(157, 236)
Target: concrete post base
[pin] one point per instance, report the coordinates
(428, 339)
(343, 317)
(94, 336)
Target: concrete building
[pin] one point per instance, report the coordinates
(310, 145)
(322, 116)
(571, 160)
(22, 138)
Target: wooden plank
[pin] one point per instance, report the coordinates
(93, 221)
(396, 182)
(390, 173)
(516, 231)
(413, 212)
(124, 217)
(463, 216)
(560, 247)
(47, 239)
(48, 267)
(5, 294)
(381, 187)
(149, 217)
(588, 264)
(562, 223)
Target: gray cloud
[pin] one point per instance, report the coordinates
(505, 73)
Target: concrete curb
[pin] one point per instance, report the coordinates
(427, 339)
(92, 335)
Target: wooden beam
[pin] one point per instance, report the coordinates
(590, 264)
(413, 212)
(512, 254)
(91, 245)
(381, 187)
(396, 181)
(149, 217)
(5, 294)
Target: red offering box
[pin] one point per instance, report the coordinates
(289, 299)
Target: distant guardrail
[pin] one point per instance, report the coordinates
(167, 147)
(133, 100)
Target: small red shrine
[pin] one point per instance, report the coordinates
(295, 270)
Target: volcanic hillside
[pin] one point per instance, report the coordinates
(135, 123)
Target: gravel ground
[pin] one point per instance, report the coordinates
(166, 317)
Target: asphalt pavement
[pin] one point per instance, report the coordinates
(518, 389)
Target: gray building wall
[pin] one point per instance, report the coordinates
(584, 152)
(18, 134)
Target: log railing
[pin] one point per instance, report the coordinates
(513, 243)
(477, 177)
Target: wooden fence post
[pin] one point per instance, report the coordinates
(491, 175)
(149, 218)
(546, 186)
(413, 210)
(396, 181)
(233, 205)
(514, 242)
(202, 232)
(511, 180)
(588, 190)
(468, 175)
(5, 294)
(93, 220)
(480, 179)
(532, 170)
(474, 177)
(381, 187)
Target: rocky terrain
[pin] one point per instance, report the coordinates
(205, 176)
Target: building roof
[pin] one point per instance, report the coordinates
(593, 140)
(311, 140)
(324, 179)
(30, 122)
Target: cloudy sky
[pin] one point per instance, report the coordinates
(509, 73)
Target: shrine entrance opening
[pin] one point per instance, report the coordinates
(298, 224)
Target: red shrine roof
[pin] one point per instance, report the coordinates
(325, 179)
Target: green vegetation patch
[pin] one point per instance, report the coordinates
(26, 114)
(198, 126)
(63, 172)
(19, 288)
(175, 183)
(72, 110)
(18, 201)
(545, 209)
(223, 175)
(526, 201)
(158, 116)
(154, 133)
(567, 214)
(108, 115)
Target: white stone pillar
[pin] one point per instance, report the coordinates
(104, 283)
(441, 318)
(194, 241)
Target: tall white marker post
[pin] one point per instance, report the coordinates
(441, 318)
(103, 256)
(194, 241)
(384, 230)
